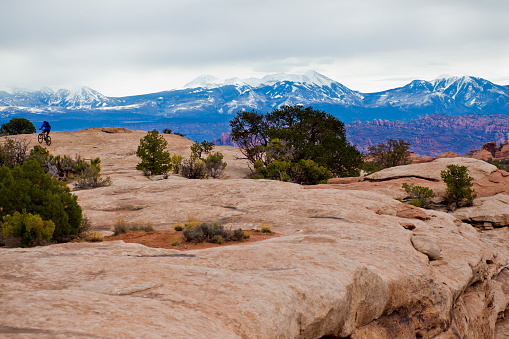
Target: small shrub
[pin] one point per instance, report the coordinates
(175, 243)
(419, 196)
(142, 226)
(176, 163)
(371, 167)
(90, 177)
(238, 235)
(85, 233)
(215, 165)
(213, 233)
(178, 226)
(281, 165)
(389, 154)
(275, 170)
(167, 131)
(194, 168)
(205, 147)
(85, 226)
(307, 172)
(27, 229)
(65, 168)
(198, 168)
(277, 164)
(95, 236)
(217, 239)
(266, 227)
(179, 134)
(192, 224)
(13, 152)
(40, 154)
(459, 185)
(192, 218)
(194, 234)
(122, 226)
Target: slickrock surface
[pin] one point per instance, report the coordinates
(487, 212)
(344, 265)
(447, 155)
(478, 169)
(488, 180)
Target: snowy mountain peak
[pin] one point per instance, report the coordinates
(280, 77)
(83, 97)
(445, 82)
(318, 79)
(452, 79)
(204, 81)
(310, 77)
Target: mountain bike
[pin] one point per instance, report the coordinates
(43, 137)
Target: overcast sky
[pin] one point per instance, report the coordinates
(126, 47)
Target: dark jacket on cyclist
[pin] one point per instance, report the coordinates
(46, 128)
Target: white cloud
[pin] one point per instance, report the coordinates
(128, 47)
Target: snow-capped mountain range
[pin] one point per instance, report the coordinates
(81, 97)
(210, 100)
(455, 95)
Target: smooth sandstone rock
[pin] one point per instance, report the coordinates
(483, 154)
(494, 183)
(341, 181)
(343, 265)
(412, 212)
(425, 244)
(493, 210)
(477, 169)
(447, 155)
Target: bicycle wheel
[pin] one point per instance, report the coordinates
(40, 138)
(48, 140)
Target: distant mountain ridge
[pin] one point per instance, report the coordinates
(203, 108)
(208, 95)
(81, 97)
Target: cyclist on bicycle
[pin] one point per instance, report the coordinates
(46, 128)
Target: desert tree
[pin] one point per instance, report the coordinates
(393, 152)
(17, 126)
(459, 185)
(303, 134)
(155, 159)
